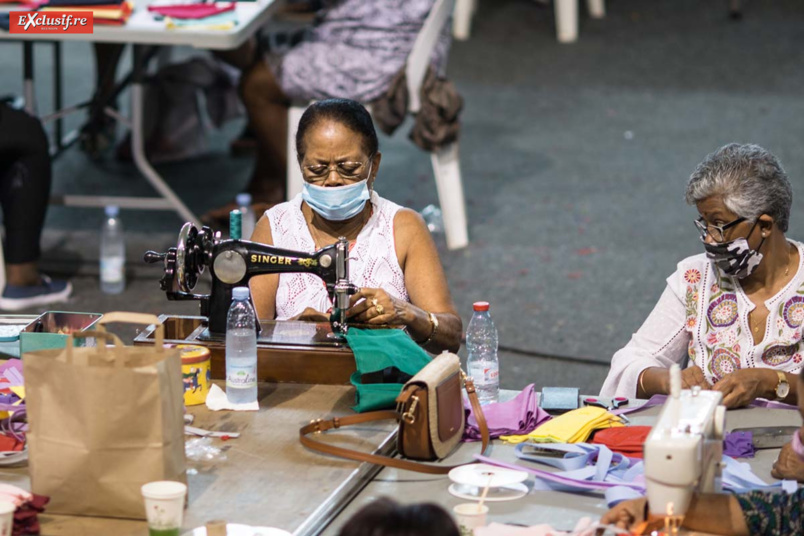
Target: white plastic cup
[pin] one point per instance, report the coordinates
(470, 516)
(164, 507)
(7, 510)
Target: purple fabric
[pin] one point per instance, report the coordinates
(12, 371)
(739, 445)
(518, 416)
(559, 479)
(658, 400)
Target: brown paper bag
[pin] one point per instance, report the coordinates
(104, 421)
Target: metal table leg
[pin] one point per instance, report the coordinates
(137, 144)
(28, 77)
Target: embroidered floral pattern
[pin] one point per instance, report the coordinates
(778, 354)
(793, 312)
(715, 289)
(797, 359)
(723, 311)
(723, 362)
(692, 276)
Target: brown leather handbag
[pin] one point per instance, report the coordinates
(430, 414)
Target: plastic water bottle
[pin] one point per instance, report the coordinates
(241, 349)
(112, 253)
(247, 218)
(482, 364)
(433, 218)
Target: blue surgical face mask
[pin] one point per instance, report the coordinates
(337, 203)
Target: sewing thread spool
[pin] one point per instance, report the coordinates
(235, 224)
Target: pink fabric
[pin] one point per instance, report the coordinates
(584, 527)
(191, 11)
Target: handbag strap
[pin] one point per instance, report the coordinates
(321, 425)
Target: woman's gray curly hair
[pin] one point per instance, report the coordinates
(750, 180)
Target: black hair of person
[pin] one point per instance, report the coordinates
(385, 517)
(349, 113)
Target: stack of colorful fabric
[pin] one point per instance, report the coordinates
(12, 413)
(515, 417)
(109, 12)
(572, 427)
(29, 506)
(217, 16)
(627, 440)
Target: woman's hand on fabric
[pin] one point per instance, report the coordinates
(788, 466)
(626, 514)
(375, 306)
(691, 377)
(743, 386)
(311, 315)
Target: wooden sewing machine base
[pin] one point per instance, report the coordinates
(287, 352)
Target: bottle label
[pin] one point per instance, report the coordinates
(241, 376)
(485, 373)
(111, 269)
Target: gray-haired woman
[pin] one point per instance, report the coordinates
(733, 315)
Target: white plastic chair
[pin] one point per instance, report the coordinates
(566, 12)
(446, 166)
(462, 19)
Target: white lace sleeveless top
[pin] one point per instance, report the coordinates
(372, 260)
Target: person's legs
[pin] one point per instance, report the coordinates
(267, 108)
(25, 177)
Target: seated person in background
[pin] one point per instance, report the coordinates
(24, 194)
(756, 513)
(385, 517)
(393, 258)
(352, 52)
(737, 311)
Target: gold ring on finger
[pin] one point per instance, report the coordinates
(380, 308)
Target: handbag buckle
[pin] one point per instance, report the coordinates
(409, 416)
(317, 423)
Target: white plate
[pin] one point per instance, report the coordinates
(482, 475)
(503, 493)
(233, 529)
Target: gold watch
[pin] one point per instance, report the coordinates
(783, 387)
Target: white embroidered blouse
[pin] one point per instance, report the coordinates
(372, 258)
(704, 315)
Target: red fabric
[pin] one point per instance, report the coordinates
(626, 440)
(26, 521)
(191, 11)
(9, 443)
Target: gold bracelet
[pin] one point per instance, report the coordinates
(641, 386)
(434, 323)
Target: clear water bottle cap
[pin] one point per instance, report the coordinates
(481, 306)
(243, 200)
(240, 293)
(112, 211)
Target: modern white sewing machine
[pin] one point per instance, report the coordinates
(683, 452)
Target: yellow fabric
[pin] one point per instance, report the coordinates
(18, 390)
(572, 427)
(171, 25)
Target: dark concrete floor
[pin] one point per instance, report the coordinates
(574, 162)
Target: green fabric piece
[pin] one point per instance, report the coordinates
(377, 349)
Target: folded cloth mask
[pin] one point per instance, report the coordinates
(572, 427)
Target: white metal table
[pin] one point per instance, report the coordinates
(143, 30)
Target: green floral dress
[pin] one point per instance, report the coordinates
(773, 514)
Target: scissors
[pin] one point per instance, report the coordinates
(615, 403)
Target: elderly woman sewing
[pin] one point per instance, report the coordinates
(393, 258)
(736, 311)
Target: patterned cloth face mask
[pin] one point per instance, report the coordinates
(735, 258)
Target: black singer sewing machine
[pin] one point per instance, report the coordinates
(232, 263)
